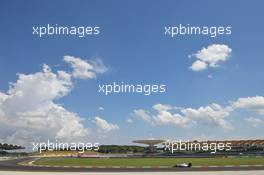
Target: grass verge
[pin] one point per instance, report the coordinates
(139, 162)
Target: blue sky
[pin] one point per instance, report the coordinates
(133, 47)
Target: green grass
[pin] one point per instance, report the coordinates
(61, 153)
(149, 161)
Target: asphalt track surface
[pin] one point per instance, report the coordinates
(12, 165)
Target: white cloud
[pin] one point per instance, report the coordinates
(162, 107)
(211, 56)
(104, 126)
(29, 112)
(143, 114)
(29, 106)
(130, 120)
(19, 137)
(163, 116)
(254, 121)
(198, 66)
(250, 103)
(211, 115)
(98, 66)
(210, 76)
(83, 69)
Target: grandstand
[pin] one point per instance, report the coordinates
(151, 144)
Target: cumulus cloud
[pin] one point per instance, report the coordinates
(163, 116)
(143, 114)
(255, 122)
(198, 65)
(129, 120)
(29, 105)
(104, 126)
(29, 112)
(210, 56)
(84, 69)
(212, 115)
(250, 103)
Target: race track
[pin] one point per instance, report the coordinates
(12, 165)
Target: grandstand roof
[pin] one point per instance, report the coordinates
(149, 142)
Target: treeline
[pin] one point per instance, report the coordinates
(120, 149)
(5, 146)
(13, 154)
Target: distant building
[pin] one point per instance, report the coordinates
(151, 143)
